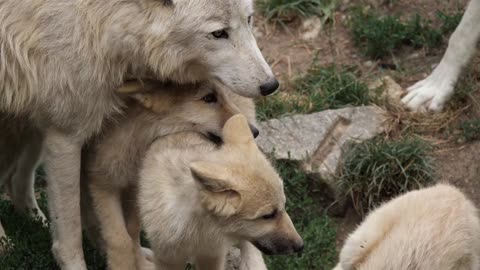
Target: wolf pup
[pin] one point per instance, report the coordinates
(112, 159)
(435, 228)
(196, 199)
(432, 92)
(61, 61)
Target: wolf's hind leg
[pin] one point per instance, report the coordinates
(23, 178)
(2, 236)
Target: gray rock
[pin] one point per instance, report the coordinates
(317, 140)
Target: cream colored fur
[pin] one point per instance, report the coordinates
(112, 159)
(434, 91)
(61, 60)
(196, 199)
(435, 228)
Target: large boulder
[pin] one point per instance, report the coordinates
(317, 140)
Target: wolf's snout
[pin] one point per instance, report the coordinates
(278, 245)
(298, 247)
(255, 131)
(269, 87)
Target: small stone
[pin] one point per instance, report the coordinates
(368, 63)
(311, 27)
(391, 89)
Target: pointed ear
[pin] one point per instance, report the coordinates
(237, 131)
(212, 177)
(131, 87)
(217, 194)
(136, 90)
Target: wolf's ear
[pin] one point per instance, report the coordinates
(131, 87)
(237, 130)
(212, 177)
(136, 90)
(219, 195)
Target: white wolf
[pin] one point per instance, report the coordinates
(432, 92)
(61, 60)
(111, 161)
(196, 199)
(435, 228)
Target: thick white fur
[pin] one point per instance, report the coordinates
(20, 152)
(112, 159)
(192, 211)
(432, 92)
(60, 61)
(435, 228)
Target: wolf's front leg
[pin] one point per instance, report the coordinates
(144, 256)
(250, 257)
(213, 262)
(432, 92)
(62, 165)
(119, 246)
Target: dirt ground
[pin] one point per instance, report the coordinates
(291, 56)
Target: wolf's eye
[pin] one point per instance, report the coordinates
(249, 19)
(220, 34)
(210, 98)
(271, 215)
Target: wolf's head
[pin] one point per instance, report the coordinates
(241, 189)
(189, 41)
(202, 107)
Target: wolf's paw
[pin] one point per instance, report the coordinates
(36, 213)
(432, 93)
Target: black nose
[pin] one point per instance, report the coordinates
(254, 130)
(269, 87)
(298, 248)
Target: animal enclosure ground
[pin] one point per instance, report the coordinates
(330, 71)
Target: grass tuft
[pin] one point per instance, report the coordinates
(320, 89)
(377, 170)
(285, 10)
(380, 36)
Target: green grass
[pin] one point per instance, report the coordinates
(286, 9)
(470, 130)
(29, 245)
(377, 170)
(313, 225)
(320, 89)
(381, 36)
(450, 21)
